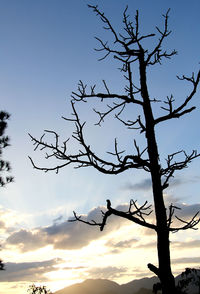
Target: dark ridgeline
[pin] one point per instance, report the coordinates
(187, 284)
(102, 286)
(130, 50)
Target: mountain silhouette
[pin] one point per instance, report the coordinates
(144, 291)
(103, 286)
(91, 286)
(134, 286)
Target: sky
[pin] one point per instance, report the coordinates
(46, 47)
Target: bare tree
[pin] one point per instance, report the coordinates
(129, 50)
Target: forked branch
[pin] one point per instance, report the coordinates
(135, 214)
(85, 157)
(191, 224)
(174, 165)
(177, 112)
(157, 53)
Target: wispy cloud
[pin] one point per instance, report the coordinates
(186, 260)
(122, 244)
(186, 244)
(2, 225)
(147, 245)
(144, 185)
(109, 272)
(28, 271)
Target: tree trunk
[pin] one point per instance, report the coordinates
(163, 245)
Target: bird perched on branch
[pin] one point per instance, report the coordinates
(108, 204)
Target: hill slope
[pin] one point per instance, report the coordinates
(97, 286)
(101, 286)
(135, 285)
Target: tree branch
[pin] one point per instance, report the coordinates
(85, 157)
(180, 111)
(157, 53)
(174, 165)
(187, 224)
(136, 215)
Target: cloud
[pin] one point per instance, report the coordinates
(2, 224)
(75, 235)
(144, 185)
(73, 268)
(185, 212)
(186, 244)
(186, 260)
(122, 244)
(28, 271)
(66, 235)
(117, 247)
(188, 210)
(139, 272)
(109, 272)
(11, 220)
(148, 232)
(27, 240)
(147, 245)
(181, 181)
(58, 219)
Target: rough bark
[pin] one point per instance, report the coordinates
(163, 246)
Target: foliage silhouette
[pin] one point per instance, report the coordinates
(129, 50)
(4, 142)
(191, 276)
(4, 165)
(33, 289)
(2, 266)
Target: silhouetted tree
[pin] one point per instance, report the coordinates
(4, 142)
(4, 165)
(191, 276)
(129, 50)
(156, 287)
(2, 266)
(33, 289)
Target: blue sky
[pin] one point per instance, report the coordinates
(46, 48)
